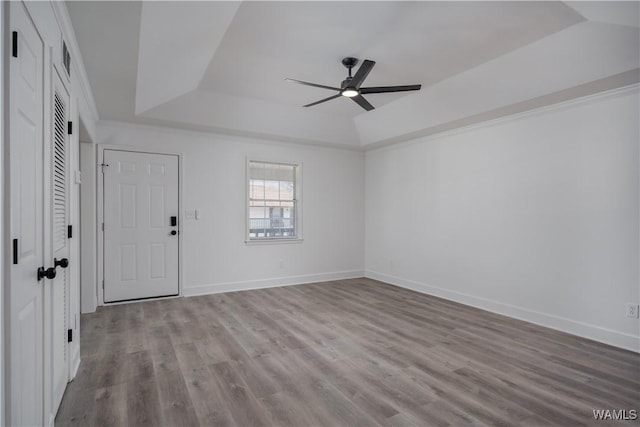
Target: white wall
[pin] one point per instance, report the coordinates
(88, 236)
(215, 255)
(534, 216)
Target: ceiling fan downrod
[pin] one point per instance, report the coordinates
(349, 62)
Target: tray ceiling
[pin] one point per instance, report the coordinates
(220, 66)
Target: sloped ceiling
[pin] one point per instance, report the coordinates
(221, 66)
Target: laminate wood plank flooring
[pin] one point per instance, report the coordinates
(352, 352)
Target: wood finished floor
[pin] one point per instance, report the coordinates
(345, 353)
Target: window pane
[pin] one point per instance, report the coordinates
(256, 189)
(272, 190)
(286, 190)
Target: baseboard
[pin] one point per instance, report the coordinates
(581, 329)
(216, 288)
(75, 364)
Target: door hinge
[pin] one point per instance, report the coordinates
(102, 283)
(14, 44)
(15, 251)
(69, 231)
(69, 335)
(70, 128)
(103, 226)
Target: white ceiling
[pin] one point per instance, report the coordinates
(221, 65)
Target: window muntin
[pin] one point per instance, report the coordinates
(273, 211)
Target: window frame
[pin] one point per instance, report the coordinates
(297, 197)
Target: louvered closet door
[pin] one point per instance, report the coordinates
(57, 291)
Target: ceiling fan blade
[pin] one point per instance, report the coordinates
(323, 100)
(384, 89)
(363, 103)
(313, 84)
(362, 73)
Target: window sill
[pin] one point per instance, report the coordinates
(273, 241)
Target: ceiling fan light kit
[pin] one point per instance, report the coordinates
(350, 87)
(350, 92)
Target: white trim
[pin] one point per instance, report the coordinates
(299, 237)
(563, 105)
(73, 314)
(216, 288)
(48, 412)
(574, 327)
(100, 214)
(5, 212)
(376, 145)
(141, 300)
(150, 124)
(64, 21)
(75, 365)
(272, 241)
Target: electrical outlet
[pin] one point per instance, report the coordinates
(632, 311)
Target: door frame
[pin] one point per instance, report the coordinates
(100, 218)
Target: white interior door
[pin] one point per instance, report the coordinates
(57, 289)
(25, 340)
(140, 237)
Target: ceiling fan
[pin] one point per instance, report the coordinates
(350, 87)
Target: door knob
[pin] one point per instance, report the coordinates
(174, 232)
(64, 262)
(49, 273)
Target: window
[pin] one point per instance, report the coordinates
(273, 205)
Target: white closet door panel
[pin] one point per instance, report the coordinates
(25, 335)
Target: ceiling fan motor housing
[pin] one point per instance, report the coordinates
(349, 62)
